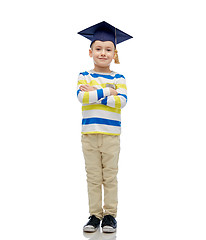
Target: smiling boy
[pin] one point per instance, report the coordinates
(102, 53)
(103, 93)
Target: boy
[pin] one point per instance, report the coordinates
(102, 93)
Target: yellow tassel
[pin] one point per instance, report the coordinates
(116, 58)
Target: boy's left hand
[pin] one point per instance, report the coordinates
(87, 88)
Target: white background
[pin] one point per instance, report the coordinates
(162, 192)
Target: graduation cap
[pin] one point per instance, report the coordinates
(103, 31)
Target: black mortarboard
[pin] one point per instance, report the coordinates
(103, 31)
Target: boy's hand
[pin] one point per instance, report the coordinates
(87, 88)
(113, 92)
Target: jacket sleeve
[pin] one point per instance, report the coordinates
(120, 100)
(91, 96)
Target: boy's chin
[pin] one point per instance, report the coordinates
(103, 65)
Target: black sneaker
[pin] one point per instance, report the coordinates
(92, 225)
(109, 224)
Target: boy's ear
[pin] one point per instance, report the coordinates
(90, 52)
(114, 55)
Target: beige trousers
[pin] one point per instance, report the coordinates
(101, 153)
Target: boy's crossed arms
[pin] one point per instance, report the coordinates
(88, 88)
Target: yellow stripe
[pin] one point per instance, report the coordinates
(100, 107)
(121, 86)
(101, 133)
(117, 102)
(82, 82)
(103, 85)
(86, 98)
(93, 83)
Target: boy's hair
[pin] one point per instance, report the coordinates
(95, 41)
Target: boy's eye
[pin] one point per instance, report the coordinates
(108, 50)
(98, 49)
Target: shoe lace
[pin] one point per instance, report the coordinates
(107, 220)
(93, 219)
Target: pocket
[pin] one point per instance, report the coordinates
(83, 137)
(110, 85)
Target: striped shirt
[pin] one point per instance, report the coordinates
(101, 112)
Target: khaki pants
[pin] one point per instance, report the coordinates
(101, 153)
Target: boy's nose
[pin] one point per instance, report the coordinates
(103, 52)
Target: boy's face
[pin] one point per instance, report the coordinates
(102, 53)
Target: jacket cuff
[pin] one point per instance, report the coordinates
(106, 91)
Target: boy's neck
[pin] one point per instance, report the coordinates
(102, 69)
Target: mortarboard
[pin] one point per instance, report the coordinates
(103, 31)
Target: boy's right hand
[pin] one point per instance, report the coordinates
(113, 91)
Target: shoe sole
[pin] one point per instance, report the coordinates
(89, 229)
(108, 229)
